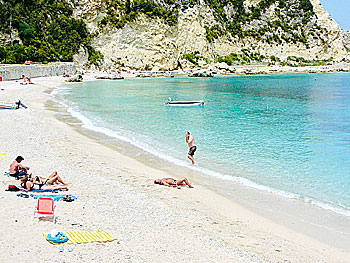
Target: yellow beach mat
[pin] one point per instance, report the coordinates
(79, 237)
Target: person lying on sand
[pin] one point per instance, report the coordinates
(170, 182)
(17, 169)
(26, 184)
(53, 178)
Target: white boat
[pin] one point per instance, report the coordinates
(171, 102)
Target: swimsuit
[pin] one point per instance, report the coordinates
(41, 185)
(18, 174)
(192, 150)
(24, 186)
(175, 182)
(37, 179)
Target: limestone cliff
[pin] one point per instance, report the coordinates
(346, 38)
(262, 30)
(7, 39)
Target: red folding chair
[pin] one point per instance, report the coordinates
(45, 208)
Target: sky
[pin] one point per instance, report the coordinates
(339, 11)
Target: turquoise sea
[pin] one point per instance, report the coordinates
(285, 133)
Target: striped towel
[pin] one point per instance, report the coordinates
(79, 237)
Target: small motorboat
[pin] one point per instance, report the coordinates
(171, 102)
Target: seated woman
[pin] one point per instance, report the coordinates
(26, 184)
(53, 178)
(170, 182)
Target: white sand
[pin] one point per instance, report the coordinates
(116, 194)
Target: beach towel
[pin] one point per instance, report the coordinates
(54, 197)
(80, 237)
(37, 191)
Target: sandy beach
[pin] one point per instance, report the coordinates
(115, 193)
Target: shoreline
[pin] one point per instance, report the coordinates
(212, 213)
(216, 69)
(224, 69)
(153, 159)
(285, 203)
(102, 134)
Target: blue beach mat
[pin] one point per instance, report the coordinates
(54, 197)
(37, 191)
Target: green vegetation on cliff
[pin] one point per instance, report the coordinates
(122, 12)
(245, 57)
(291, 18)
(47, 30)
(233, 18)
(299, 61)
(249, 57)
(195, 57)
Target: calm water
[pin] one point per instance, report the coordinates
(289, 134)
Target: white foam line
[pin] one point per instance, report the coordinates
(88, 124)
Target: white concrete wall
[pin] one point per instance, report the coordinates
(35, 71)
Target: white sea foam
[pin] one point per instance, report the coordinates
(87, 123)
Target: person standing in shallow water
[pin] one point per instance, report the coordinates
(192, 147)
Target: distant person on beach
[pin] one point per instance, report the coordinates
(53, 178)
(16, 169)
(27, 185)
(29, 81)
(170, 182)
(192, 147)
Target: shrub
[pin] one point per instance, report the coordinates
(47, 30)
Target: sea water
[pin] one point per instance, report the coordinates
(285, 133)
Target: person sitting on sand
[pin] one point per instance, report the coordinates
(170, 182)
(54, 178)
(27, 185)
(16, 169)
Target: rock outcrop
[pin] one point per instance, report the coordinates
(7, 39)
(201, 74)
(151, 44)
(346, 38)
(76, 78)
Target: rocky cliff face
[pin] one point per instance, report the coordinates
(346, 39)
(6, 39)
(269, 30)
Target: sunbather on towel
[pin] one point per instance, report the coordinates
(16, 169)
(54, 178)
(170, 182)
(29, 186)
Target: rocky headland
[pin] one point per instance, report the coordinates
(258, 32)
(168, 35)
